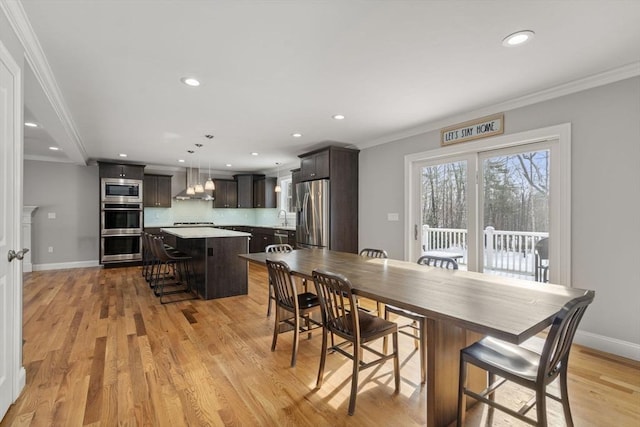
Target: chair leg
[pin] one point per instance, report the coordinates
(423, 350)
(323, 358)
(462, 398)
(565, 396)
(385, 339)
(296, 338)
(354, 377)
(416, 334)
(308, 325)
(541, 406)
(396, 362)
(491, 378)
(270, 299)
(276, 329)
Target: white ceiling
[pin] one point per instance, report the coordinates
(272, 68)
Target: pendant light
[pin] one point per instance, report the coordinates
(190, 189)
(209, 185)
(198, 187)
(278, 189)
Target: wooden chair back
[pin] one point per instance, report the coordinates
(555, 353)
(280, 247)
(285, 292)
(374, 253)
(336, 300)
(436, 261)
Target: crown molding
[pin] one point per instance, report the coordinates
(601, 79)
(36, 59)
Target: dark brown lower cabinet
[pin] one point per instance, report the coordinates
(218, 272)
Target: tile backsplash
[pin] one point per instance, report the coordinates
(201, 211)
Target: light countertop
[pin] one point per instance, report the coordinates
(203, 232)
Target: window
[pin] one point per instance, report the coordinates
(286, 201)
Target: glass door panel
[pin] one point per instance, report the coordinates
(443, 210)
(515, 213)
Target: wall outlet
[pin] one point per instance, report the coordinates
(393, 217)
(51, 215)
(50, 249)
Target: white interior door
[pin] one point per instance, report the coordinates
(10, 271)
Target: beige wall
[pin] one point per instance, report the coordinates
(72, 193)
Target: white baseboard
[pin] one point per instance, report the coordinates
(21, 381)
(610, 345)
(65, 265)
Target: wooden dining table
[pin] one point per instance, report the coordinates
(460, 306)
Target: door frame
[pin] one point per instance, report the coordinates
(17, 370)
(559, 137)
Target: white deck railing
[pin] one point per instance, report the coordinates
(511, 251)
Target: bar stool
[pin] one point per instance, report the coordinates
(173, 270)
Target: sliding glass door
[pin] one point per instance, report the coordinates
(491, 208)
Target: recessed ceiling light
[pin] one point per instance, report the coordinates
(31, 124)
(296, 135)
(54, 148)
(338, 117)
(517, 39)
(228, 165)
(254, 154)
(180, 160)
(190, 81)
(122, 155)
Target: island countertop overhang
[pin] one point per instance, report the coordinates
(202, 232)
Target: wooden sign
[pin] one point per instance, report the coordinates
(473, 129)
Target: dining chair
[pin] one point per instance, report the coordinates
(375, 253)
(354, 326)
(542, 260)
(438, 261)
(418, 325)
(287, 298)
(531, 369)
(277, 248)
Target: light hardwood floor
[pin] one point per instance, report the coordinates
(100, 350)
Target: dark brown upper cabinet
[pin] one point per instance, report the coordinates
(226, 193)
(157, 191)
(314, 165)
(256, 191)
(264, 195)
(245, 190)
(120, 170)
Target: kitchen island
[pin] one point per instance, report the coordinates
(218, 272)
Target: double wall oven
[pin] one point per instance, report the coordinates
(121, 220)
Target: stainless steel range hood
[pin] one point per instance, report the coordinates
(193, 177)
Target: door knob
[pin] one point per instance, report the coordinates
(17, 255)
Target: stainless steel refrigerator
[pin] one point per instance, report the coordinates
(312, 219)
